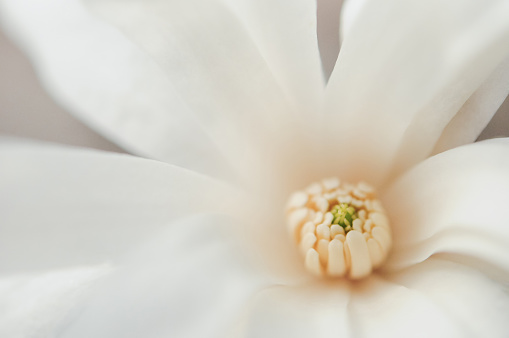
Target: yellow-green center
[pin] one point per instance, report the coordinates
(344, 214)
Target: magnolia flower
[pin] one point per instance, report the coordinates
(231, 95)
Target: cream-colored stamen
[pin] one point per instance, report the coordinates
(341, 229)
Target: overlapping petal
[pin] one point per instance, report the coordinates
(217, 69)
(399, 80)
(477, 111)
(455, 203)
(285, 33)
(381, 308)
(477, 304)
(191, 279)
(63, 206)
(106, 81)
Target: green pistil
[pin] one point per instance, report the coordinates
(343, 215)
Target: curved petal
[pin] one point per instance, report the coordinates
(477, 303)
(38, 304)
(318, 310)
(62, 206)
(190, 280)
(456, 203)
(477, 112)
(285, 32)
(381, 308)
(403, 72)
(107, 82)
(217, 70)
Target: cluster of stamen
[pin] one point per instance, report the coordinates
(340, 228)
(344, 214)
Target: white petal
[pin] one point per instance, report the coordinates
(404, 70)
(479, 305)
(106, 81)
(217, 70)
(285, 33)
(191, 280)
(380, 308)
(319, 311)
(350, 10)
(477, 112)
(62, 206)
(455, 202)
(38, 304)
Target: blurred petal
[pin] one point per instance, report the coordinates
(318, 310)
(380, 308)
(62, 206)
(218, 71)
(477, 112)
(106, 81)
(403, 72)
(349, 13)
(479, 305)
(191, 280)
(37, 305)
(455, 202)
(285, 34)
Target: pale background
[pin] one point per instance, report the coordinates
(27, 111)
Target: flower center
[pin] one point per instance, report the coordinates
(340, 228)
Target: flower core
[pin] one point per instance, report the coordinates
(340, 228)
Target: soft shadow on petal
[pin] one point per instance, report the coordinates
(477, 303)
(456, 203)
(381, 308)
(62, 206)
(192, 279)
(38, 304)
(477, 112)
(106, 81)
(317, 310)
(403, 72)
(285, 33)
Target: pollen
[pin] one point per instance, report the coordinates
(341, 229)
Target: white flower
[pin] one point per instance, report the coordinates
(234, 90)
